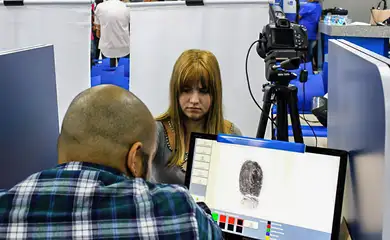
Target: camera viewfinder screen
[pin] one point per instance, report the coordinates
(283, 37)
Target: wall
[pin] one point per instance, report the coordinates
(359, 10)
(226, 29)
(64, 24)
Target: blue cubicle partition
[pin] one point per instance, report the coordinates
(373, 38)
(376, 45)
(359, 122)
(28, 113)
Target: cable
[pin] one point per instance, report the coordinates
(310, 121)
(303, 112)
(249, 84)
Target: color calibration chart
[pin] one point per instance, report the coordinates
(266, 230)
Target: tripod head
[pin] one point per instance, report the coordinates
(278, 73)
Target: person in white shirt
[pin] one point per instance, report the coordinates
(112, 21)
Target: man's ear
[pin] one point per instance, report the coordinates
(134, 160)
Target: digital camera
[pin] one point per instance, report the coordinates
(281, 38)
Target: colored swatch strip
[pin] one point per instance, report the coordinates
(267, 234)
(240, 224)
(229, 223)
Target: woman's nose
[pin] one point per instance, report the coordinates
(194, 98)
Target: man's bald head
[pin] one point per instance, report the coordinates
(102, 124)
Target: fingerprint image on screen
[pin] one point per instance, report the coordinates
(251, 181)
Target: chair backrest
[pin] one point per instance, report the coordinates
(109, 77)
(325, 76)
(103, 62)
(314, 87)
(116, 77)
(100, 69)
(309, 68)
(126, 63)
(122, 82)
(97, 80)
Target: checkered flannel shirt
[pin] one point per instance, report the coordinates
(88, 201)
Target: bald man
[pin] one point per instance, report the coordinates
(99, 189)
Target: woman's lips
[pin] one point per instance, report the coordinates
(194, 109)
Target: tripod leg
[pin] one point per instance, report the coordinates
(294, 114)
(265, 113)
(281, 118)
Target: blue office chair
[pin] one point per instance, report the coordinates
(122, 82)
(95, 81)
(325, 76)
(320, 131)
(102, 62)
(314, 87)
(98, 70)
(116, 77)
(126, 63)
(309, 68)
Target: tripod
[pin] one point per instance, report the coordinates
(286, 98)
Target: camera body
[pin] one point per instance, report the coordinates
(281, 38)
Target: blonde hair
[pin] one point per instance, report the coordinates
(193, 67)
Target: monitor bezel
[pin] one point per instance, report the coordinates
(316, 150)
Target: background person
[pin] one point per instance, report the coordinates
(96, 50)
(310, 15)
(112, 21)
(107, 141)
(195, 106)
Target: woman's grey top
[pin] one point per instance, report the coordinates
(161, 172)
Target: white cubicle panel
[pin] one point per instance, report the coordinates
(28, 113)
(161, 31)
(64, 23)
(359, 122)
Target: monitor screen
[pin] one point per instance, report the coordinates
(265, 193)
(283, 37)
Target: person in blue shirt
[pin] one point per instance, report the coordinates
(309, 16)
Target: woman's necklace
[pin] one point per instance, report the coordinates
(183, 165)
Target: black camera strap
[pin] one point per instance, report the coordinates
(298, 9)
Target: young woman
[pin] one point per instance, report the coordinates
(195, 106)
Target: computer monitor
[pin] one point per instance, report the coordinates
(268, 190)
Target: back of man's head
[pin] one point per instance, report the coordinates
(110, 126)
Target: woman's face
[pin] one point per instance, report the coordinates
(195, 102)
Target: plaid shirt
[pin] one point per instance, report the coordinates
(88, 201)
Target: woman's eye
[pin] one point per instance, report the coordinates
(186, 90)
(204, 90)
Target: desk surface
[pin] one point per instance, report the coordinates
(355, 31)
